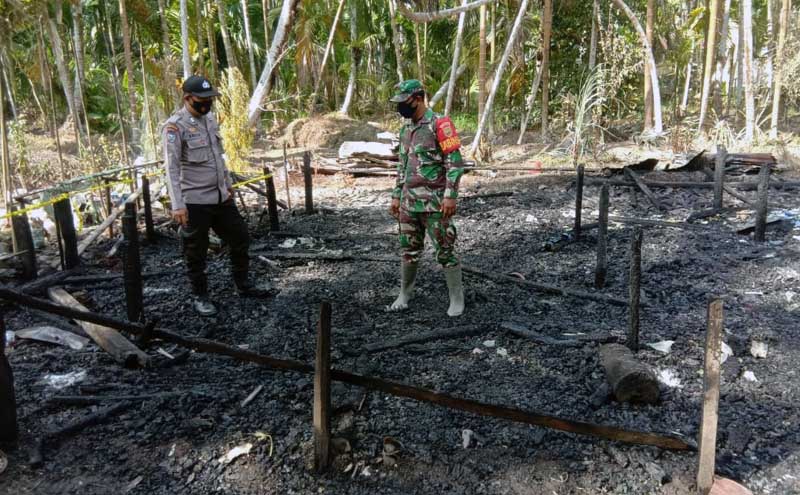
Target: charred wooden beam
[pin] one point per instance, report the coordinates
(272, 202)
(63, 213)
(322, 391)
(719, 176)
(22, 238)
(710, 417)
(421, 338)
(132, 265)
(308, 181)
(634, 289)
(150, 230)
(762, 208)
(578, 202)
(630, 380)
(601, 267)
(8, 401)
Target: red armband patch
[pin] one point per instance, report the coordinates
(447, 136)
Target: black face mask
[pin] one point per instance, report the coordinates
(406, 110)
(201, 107)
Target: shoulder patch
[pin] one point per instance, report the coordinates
(446, 135)
(172, 132)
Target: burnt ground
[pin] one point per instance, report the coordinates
(171, 444)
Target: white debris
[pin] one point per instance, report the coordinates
(726, 353)
(466, 438)
(478, 350)
(235, 452)
(759, 349)
(9, 337)
(790, 296)
(288, 243)
(306, 241)
(386, 136)
(530, 219)
(749, 376)
(366, 472)
(66, 380)
(502, 352)
(54, 335)
(149, 291)
(488, 343)
(378, 150)
(669, 378)
(665, 346)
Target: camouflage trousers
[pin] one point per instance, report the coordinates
(441, 232)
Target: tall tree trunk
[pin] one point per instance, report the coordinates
(648, 83)
(708, 69)
(212, 42)
(279, 38)
(12, 101)
(398, 52)
(77, 43)
(657, 122)
(529, 104)
(162, 14)
(230, 55)
(249, 41)
(687, 83)
(126, 45)
(325, 56)
(61, 67)
(265, 21)
(420, 67)
(740, 61)
(111, 53)
(595, 29)
(6, 160)
(769, 68)
(200, 33)
(442, 91)
(786, 10)
(448, 105)
(746, 20)
(482, 63)
(722, 58)
(547, 28)
(185, 56)
(499, 74)
(354, 59)
(44, 74)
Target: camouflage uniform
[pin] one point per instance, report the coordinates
(425, 177)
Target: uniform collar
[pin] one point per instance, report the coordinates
(427, 117)
(186, 114)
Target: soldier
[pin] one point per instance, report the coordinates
(201, 192)
(424, 196)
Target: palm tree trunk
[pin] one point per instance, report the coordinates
(595, 29)
(687, 83)
(722, 58)
(482, 63)
(740, 61)
(529, 103)
(711, 44)
(769, 68)
(126, 45)
(746, 21)
(420, 68)
(442, 91)
(230, 55)
(12, 101)
(249, 41)
(354, 59)
(212, 42)
(499, 74)
(547, 27)
(44, 74)
(61, 67)
(200, 34)
(162, 14)
(396, 39)
(264, 83)
(111, 53)
(77, 43)
(454, 65)
(648, 83)
(325, 56)
(185, 56)
(786, 9)
(265, 20)
(6, 161)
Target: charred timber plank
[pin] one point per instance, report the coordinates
(651, 184)
(421, 338)
(8, 402)
(576, 230)
(579, 341)
(398, 389)
(42, 283)
(708, 424)
(660, 223)
(719, 176)
(111, 341)
(23, 244)
(630, 380)
(634, 289)
(643, 187)
(308, 182)
(322, 391)
(601, 267)
(762, 208)
(548, 289)
(63, 214)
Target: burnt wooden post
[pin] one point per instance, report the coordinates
(109, 206)
(63, 213)
(761, 206)
(719, 176)
(150, 229)
(132, 266)
(272, 202)
(708, 424)
(322, 390)
(286, 176)
(8, 401)
(578, 202)
(634, 289)
(602, 240)
(308, 182)
(23, 242)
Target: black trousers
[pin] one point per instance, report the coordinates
(229, 225)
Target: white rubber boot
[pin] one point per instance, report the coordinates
(455, 286)
(408, 274)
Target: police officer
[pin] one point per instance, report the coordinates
(425, 193)
(201, 192)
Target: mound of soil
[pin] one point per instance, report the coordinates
(328, 131)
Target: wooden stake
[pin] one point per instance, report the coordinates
(322, 390)
(132, 265)
(761, 208)
(634, 289)
(8, 401)
(708, 425)
(307, 180)
(286, 176)
(602, 241)
(23, 243)
(109, 208)
(150, 229)
(719, 176)
(272, 203)
(578, 202)
(63, 213)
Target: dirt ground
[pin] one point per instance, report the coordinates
(173, 444)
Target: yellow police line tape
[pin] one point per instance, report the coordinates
(67, 195)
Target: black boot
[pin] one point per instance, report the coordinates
(246, 288)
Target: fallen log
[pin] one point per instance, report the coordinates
(548, 289)
(111, 341)
(424, 337)
(393, 388)
(576, 341)
(630, 380)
